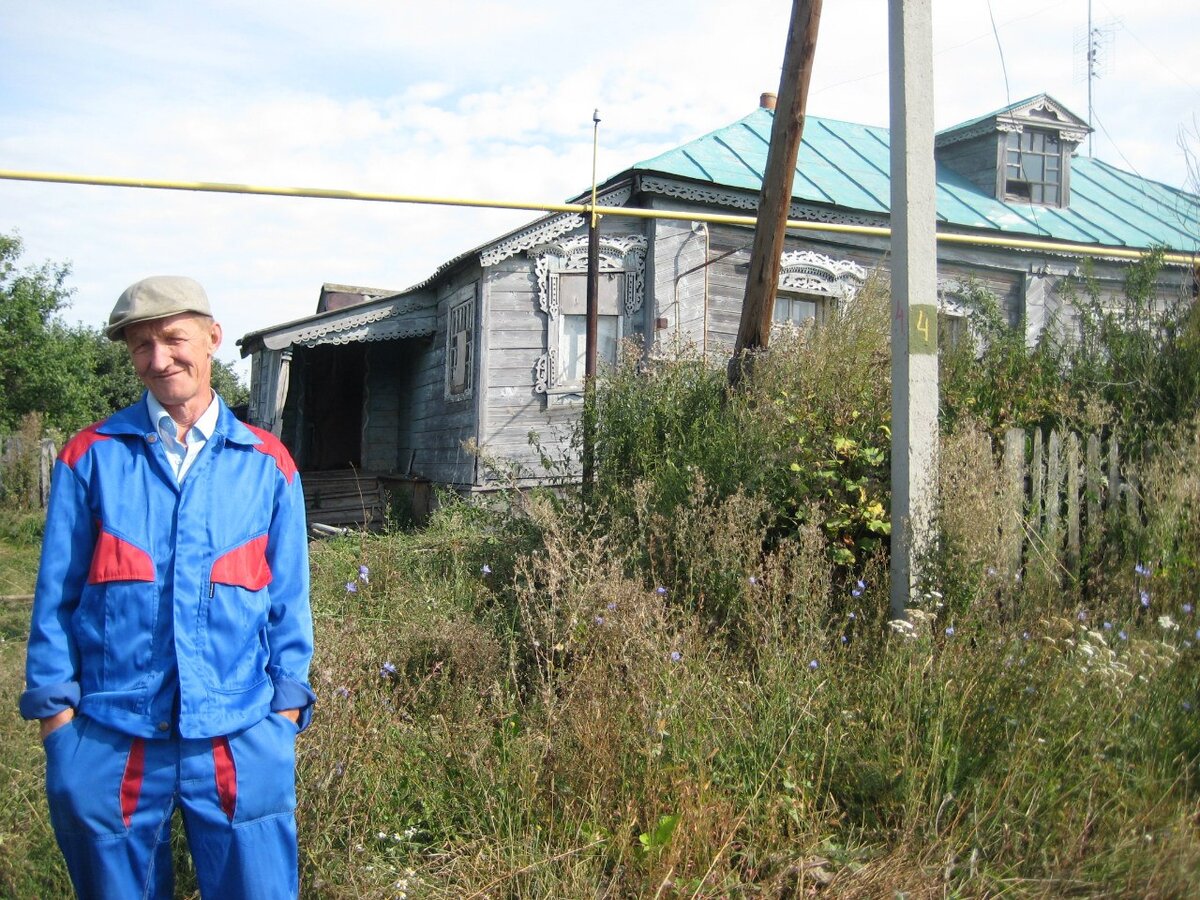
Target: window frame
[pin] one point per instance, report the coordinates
(1014, 166)
(623, 255)
(461, 306)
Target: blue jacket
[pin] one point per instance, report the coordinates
(159, 603)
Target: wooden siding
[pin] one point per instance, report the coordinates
(513, 337)
(978, 160)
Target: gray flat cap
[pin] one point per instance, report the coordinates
(156, 297)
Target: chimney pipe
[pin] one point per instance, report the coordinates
(766, 100)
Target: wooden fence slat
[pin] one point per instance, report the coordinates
(1053, 496)
(1037, 480)
(1095, 487)
(1073, 501)
(1012, 534)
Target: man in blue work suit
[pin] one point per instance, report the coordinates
(171, 633)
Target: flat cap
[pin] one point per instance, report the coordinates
(156, 297)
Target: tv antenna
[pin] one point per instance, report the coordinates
(1093, 57)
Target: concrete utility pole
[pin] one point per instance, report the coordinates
(774, 202)
(914, 293)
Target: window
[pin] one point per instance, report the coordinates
(797, 311)
(561, 271)
(460, 328)
(1033, 167)
(953, 331)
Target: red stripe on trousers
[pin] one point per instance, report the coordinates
(131, 781)
(226, 774)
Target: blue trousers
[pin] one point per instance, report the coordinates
(112, 797)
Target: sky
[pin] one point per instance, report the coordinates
(489, 100)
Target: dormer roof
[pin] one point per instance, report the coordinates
(1039, 111)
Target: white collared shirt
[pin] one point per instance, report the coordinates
(182, 455)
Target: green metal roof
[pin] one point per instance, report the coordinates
(844, 164)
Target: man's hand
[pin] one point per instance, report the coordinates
(56, 721)
(292, 714)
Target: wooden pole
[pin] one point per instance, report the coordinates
(591, 351)
(775, 199)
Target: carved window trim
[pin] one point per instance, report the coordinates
(618, 254)
(460, 344)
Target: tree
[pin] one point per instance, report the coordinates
(72, 375)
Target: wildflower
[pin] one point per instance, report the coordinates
(1187, 707)
(676, 656)
(343, 691)
(1024, 635)
(351, 587)
(1141, 569)
(1187, 609)
(950, 630)
(388, 669)
(1167, 623)
(599, 620)
(485, 569)
(661, 591)
(991, 572)
(612, 604)
(364, 574)
(752, 580)
(382, 835)
(852, 616)
(1198, 634)
(845, 640)
(1122, 635)
(1108, 626)
(859, 587)
(1144, 595)
(812, 666)
(1082, 615)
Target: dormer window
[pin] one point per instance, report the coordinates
(1033, 167)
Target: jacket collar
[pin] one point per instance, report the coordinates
(135, 420)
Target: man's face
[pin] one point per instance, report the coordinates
(173, 357)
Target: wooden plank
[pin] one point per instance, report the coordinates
(1073, 502)
(1053, 495)
(1095, 487)
(1037, 477)
(1012, 536)
(1113, 502)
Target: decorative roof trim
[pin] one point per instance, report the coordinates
(699, 193)
(385, 323)
(545, 230)
(1017, 118)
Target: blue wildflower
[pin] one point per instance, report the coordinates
(612, 604)
(813, 665)
(1144, 596)
(1108, 626)
(676, 656)
(1082, 615)
(859, 587)
(661, 591)
(351, 587)
(1187, 609)
(950, 630)
(1141, 569)
(845, 640)
(388, 669)
(343, 691)
(599, 620)
(752, 580)
(1122, 635)
(364, 574)
(485, 569)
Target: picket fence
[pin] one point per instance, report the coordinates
(1070, 488)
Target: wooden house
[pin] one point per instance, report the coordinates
(426, 385)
